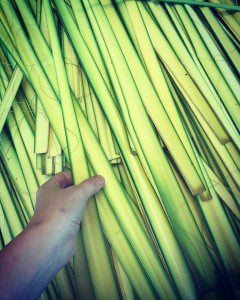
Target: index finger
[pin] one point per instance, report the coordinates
(62, 179)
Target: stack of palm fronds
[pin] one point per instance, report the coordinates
(146, 95)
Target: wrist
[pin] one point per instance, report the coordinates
(39, 253)
(59, 234)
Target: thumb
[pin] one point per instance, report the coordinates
(90, 186)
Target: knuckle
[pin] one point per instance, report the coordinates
(60, 178)
(89, 187)
(59, 175)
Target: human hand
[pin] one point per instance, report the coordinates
(31, 260)
(60, 207)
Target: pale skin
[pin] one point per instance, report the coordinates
(30, 261)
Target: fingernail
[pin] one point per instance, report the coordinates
(100, 179)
